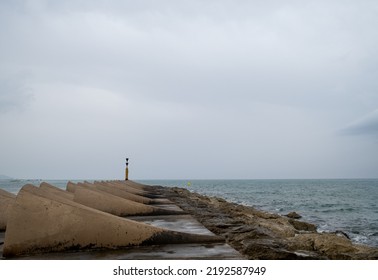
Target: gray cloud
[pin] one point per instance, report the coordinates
(14, 94)
(365, 125)
(188, 88)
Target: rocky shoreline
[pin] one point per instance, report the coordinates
(261, 235)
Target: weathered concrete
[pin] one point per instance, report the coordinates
(57, 191)
(181, 223)
(2, 236)
(135, 186)
(116, 205)
(6, 201)
(129, 183)
(50, 194)
(196, 251)
(38, 224)
(122, 192)
(71, 187)
(149, 194)
(118, 192)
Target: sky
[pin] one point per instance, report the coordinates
(193, 89)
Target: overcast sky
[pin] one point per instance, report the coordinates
(189, 89)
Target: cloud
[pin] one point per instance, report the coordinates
(15, 94)
(366, 125)
(181, 85)
(190, 52)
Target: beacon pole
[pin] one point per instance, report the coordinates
(127, 170)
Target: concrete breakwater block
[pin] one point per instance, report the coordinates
(150, 194)
(129, 189)
(132, 184)
(47, 193)
(152, 190)
(57, 191)
(118, 192)
(135, 186)
(39, 224)
(123, 193)
(116, 205)
(6, 202)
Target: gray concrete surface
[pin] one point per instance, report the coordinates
(183, 223)
(213, 251)
(2, 236)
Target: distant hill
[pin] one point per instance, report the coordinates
(3, 177)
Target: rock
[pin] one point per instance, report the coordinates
(279, 228)
(261, 235)
(332, 246)
(293, 215)
(341, 233)
(302, 226)
(271, 249)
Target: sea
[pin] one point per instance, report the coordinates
(347, 205)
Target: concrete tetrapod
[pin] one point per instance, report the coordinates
(116, 205)
(149, 194)
(6, 201)
(119, 193)
(123, 193)
(137, 185)
(129, 189)
(57, 191)
(149, 190)
(39, 224)
(134, 185)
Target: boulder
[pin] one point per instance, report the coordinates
(302, 226)
(293, 215)
(332, 245)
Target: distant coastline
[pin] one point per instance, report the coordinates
(4, 177)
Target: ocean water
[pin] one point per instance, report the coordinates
(349, 205)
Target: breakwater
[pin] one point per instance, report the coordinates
(157, 222)
(105, 215)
